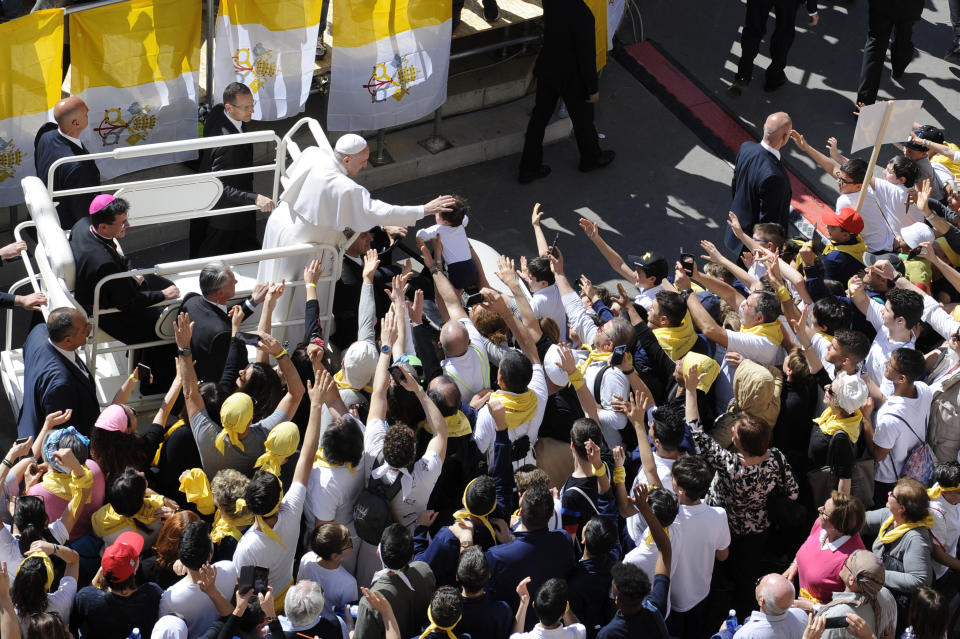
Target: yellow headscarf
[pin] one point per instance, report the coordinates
(831, 423)
(704, 365)
(465, 513)
(433, 626)
(156, 458)
(771, 330)
(343, 384)
(457, 425)
(46, 564)
(108, 521)
(262, 519)
(520, 408)
(71, 487)
(890, 536)
(676, 341)
(319, 461)
(936, 490)
(281, 443)
(236, 413)
(223, 527)
(196, 487)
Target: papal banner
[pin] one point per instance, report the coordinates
(599, 9)
(135, 65)
(31, 55)
(390, 62)
(270, 46)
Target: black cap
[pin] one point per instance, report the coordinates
(870, 259)
(653, 264)
(925, 132)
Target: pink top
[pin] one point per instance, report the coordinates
(55, 505)
(819, 568)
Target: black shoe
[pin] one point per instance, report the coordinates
(736, 89)
(491, 12)
(605, 158)
(774, 82)
(527, 177)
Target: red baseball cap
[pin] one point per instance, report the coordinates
(120, 558)
(846, 218)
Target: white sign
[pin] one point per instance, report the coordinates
(902, 116)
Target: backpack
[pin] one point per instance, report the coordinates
(921, 461)
(371, 511)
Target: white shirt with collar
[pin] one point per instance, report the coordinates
(223, 307)
(70, 356)
(789, 625)
(237, 124)
(646, 296)
(775, 152)
(834, 545)
(71, 138)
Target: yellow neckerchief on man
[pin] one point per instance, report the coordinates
(936, 490)
(70, 487)
(457, 425)
(433, 626)
(771, 330)
(854, 250)
(319, 461)
(343, 384)
(676, 341)
(156, 458)
(831, 423)
(195, 485)
(262, 519)
(281, 443)
(520, 408)
(826, 336)
(464, 513)
(108, 521)
(595, 355)
(890, 536)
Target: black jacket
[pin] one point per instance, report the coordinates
(761, 191)
(237, 189)
(211, 335)
(49, 146)
(568, 57)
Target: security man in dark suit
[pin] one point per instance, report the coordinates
(209, 312)
(234, 232)
(55, 376)
(784, 30)
(60, 140)
(761, 188)
(886, 17)
(566, 68)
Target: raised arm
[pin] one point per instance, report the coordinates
(274, 291)
(804, 332)
(659, 535)
(506, 271)
(183, 330)
(367, 309)
(717, 257)
(438, 443)
(290, 401)
(381, 378)
(824, 162)
(613, 258)
(701, 317)
(535, 217)
(442, 286)
(50, 422)
(322, 388)
(495, 302)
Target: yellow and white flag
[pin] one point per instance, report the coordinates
(270, 46)
(390, 62)
(31, 55)
(135, 65)
(599, 9)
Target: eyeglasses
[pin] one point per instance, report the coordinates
(894, 495)
(840, 179)
(244, 107)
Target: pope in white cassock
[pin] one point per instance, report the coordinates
(320, 201)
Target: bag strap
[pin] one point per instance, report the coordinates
(582, 494)
(922, 442)
(598, 382)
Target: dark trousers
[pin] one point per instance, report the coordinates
(690, 624)
(754, 28)
(886, 17)
(581, 115)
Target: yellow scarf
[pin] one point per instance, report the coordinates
(855, 250)
(465, 513)
(594, 356)
(520, 408)
(947, 160)
(649, 538)
(937, 490)
(826, 336)
(223, 527)
(771, 330)
(890, 536)
(236, 413)
(262, 519)
(677, 340)
(319, 461)
(281, 443)
(704, 364)
(156, 458)
(342, 383)
(433, 626)
(71, 487)
(457, 425)
(108, 521)
(805, 594)
(196, 487)
(46, 564)
(830, 424)
(949, 252)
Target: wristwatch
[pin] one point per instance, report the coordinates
(684, 294)
(464, 544)
(385, 349)
(183, 352)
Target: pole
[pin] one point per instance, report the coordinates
(436, 142)
(211, 16)
(873, 156)
(382, 156)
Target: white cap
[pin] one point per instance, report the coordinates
(916, 234)
(360, 363)
(170, 627)
(551, 366)
(350, 144)
(851, 391)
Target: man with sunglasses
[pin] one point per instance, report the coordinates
(235, 232)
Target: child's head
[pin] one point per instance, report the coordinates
(831, 315)
(528, 475)
(692, 475)
(446, 607)
(332, 539)
(473, 571)
(718, 271)
(599, 536)
(664, 505)
(454, 217)
(769, 234)
(551, 601)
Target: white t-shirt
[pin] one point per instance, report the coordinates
(576, 631)
(636, 526)
(415, 487)
(456, 246)
(547, 303)
(881, 348)
(332, 492)
(256, 549)
(644, 555)
(339, 586)
(876, 231)
(892, 199)
(945, 530)
(470, 371)
(753, 347)
(890, 432)
(186, 600)
(703, 531)
(10, 545)
(59, 601)
(645, 297)
(486, 430)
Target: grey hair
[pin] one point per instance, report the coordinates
(303, 603)
(212, 277)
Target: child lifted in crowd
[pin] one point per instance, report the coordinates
(450, 229)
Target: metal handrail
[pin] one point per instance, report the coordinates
(9, 315)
